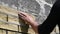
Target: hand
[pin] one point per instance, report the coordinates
(26, 17)
(29, 19)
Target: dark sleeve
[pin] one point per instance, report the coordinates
(48, 25)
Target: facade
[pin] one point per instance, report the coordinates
(9, 22)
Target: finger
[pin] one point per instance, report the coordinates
(23, 14)
(20, 15)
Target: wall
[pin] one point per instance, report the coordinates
(39, 8)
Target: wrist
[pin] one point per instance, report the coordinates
(35, 25)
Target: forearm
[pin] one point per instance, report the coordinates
(34, 26)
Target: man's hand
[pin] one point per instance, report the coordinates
(26, 17)
(29, 19)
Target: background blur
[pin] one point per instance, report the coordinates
(39, 8)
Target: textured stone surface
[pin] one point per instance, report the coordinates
(39, 8)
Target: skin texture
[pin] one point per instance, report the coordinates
(28, 18)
